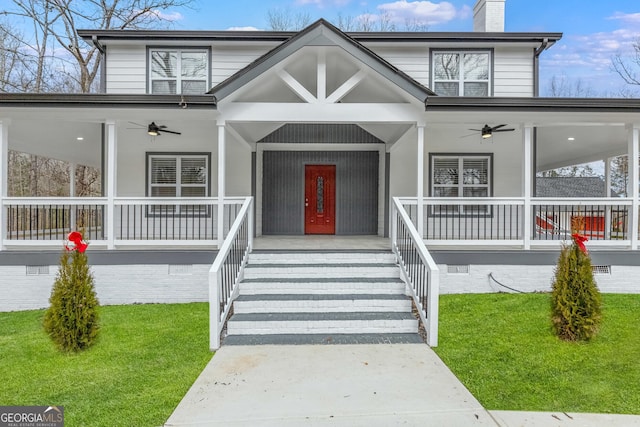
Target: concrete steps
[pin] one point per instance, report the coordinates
(319, 297)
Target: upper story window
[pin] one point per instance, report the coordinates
(178, 71)
(464, 73)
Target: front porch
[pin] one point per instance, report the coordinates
(448, 223)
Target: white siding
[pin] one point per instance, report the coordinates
(513, 71)
(413, 60)
(513, 66)
(227, 60)
(404, 166)
(126, 69)
(507, 159)
(134, 143)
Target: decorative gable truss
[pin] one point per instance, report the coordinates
(321, 65)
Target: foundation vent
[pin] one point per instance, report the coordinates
(37, 270)
(180, 269)
(599, 270)
(458, 269)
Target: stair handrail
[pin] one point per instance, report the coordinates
(418, 269)
(227, 271)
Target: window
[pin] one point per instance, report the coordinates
(461, 176)
(174, 71)
(178, 175)
(461, 73)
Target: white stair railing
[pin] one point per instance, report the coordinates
(418, 268)
(227, 270)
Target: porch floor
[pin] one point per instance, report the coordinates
(322, 243)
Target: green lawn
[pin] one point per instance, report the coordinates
(502, 348)
(146, 359)
(499, 345)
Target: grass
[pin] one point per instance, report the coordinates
(146, 359)
(499, 345)
(502, 348)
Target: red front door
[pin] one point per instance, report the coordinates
(320, 199)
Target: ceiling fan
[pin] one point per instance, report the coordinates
(154, 130)
(487, 131)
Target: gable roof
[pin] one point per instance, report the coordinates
(321, 33)
(571, 186)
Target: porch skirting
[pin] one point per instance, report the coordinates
(129, 277)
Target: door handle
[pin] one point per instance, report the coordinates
(306, 204)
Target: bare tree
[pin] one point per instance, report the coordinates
(283, 20)
(564, 87)
(628, 67)
(55, 23)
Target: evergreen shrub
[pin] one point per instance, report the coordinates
(576, 303)
(72, 319)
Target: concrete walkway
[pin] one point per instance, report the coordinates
(346, 385)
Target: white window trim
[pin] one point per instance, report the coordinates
(178, 185)
(461, 185)
(178, 78)
(461, 80)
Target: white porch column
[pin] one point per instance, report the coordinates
(527, 183)
(112, 147)
(633, 190)
(607, 193)
(4, 175)
(72, 193)
(420, 187)
(221, 180)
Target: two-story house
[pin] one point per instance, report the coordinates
(322, 129)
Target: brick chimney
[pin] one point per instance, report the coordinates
(488, 16)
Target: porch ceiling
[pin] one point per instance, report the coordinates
(596, 135)
(54, 132)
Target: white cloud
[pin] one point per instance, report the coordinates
(425, 12)
(588, 57)
(243, 29)
(321, 4)
(629, 18)
(168, 16)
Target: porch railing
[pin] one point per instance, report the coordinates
(518, 222)
(227, 270)
(51, 219)
(136, 221)
(418, 268)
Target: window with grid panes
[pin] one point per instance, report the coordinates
(461, 176)
(178, 71)
(183, 175)
(461, 73)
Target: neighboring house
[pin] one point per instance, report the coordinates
(599, 222)
(323, 128)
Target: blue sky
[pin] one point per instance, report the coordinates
(594, 30)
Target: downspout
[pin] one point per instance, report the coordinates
(536, 65)
(536, 93)
(103, 52)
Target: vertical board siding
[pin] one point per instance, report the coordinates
(356, 191)
(310, 133)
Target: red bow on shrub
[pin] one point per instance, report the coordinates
(76, 242)
(580, 239)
